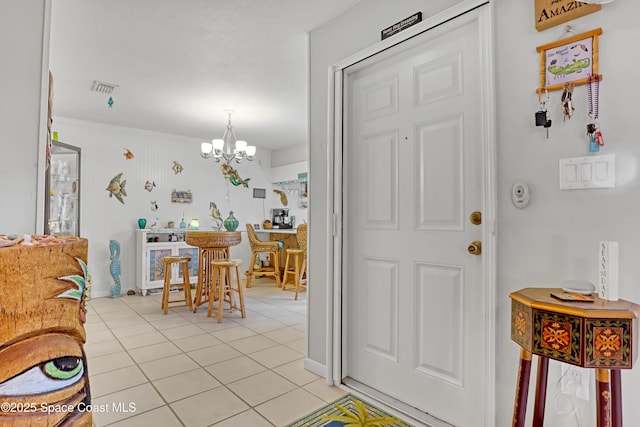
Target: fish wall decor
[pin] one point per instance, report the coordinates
(116, 188)
(177, 168)
(128, 154)
(149, 185)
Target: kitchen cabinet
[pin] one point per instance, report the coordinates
(151, 247)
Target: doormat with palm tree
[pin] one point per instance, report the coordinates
(349, 411)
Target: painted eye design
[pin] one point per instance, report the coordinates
(62, 368)
(45, 377)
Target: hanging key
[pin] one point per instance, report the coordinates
(542, 115)
(547, 125)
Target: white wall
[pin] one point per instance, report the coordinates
(104, 218)
(21, 127)
(555, 237)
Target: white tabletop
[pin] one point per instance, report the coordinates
(278, 230)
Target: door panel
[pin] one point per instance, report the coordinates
(413, 173)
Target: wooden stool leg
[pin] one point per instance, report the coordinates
(522, 389)
(277, 267)
(250, 272)
(603, 398)
(616, 397)
(285, 277)
(240, 293)
(186, 286)
(297, 274)
(214, 278)
(541, 391)
(165, 289)
(197, 300)
(221, 290)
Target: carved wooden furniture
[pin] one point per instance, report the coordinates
(168, 262)
(212, 245)
(42, 314)
(600, 335)
(261, 247)
(298, 258)
(225, 287)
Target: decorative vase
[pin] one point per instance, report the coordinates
(231, 223)
(142, 223)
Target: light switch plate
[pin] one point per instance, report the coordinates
(587, 172)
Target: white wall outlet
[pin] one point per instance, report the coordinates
(574, 381)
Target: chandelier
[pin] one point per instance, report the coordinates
(229, 147)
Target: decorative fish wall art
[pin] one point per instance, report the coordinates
(116, 188)
(177, 168)
(149, 185)
(128, 154)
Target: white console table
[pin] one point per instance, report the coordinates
(150, 270)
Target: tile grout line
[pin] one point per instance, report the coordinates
(183, 352)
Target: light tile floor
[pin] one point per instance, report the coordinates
(185, 369)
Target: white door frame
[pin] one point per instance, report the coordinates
(486, 134)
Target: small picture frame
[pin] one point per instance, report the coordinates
(569, 60)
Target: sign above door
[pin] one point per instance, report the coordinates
(400, 26)
(550, 13)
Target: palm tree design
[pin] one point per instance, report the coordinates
(360, 418)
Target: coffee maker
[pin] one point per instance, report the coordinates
(280, 218)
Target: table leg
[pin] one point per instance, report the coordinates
(603, 398)
(522, 389)
(541, 391)
(616, 398)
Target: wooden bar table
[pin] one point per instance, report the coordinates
(601, 335)
(212, 245)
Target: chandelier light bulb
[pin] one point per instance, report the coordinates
(206, 149)
(217, 144)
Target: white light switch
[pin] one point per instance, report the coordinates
(588, 172)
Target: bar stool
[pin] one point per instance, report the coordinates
(298, 259)
(261, 247)
(168, 262)
(223, 287)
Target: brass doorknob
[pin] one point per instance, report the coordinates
(475, 248)
(475, 218)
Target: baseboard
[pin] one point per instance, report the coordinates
(315, 367)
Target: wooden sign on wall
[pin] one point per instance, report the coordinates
(550, 13)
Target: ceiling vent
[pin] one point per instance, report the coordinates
(102, 87)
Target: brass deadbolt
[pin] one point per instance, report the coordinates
(476, 218)
(475, 248)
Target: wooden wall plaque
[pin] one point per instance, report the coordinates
(550, 13)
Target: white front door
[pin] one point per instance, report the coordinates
(413, 174)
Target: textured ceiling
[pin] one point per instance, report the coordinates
(180, 63)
